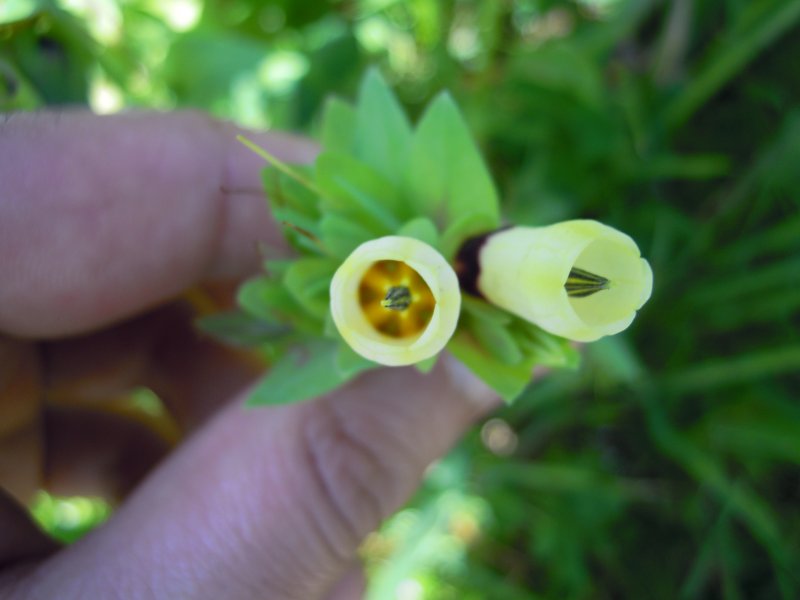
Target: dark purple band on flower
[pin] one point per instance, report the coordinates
(467, 263)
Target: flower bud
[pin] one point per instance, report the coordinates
(395, 300)
(580, 279)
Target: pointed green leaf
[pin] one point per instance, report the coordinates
(509, 381)
(239, 328)
(308, 280)
(304, 372)
(295, 207)
(277, 267)
(282, 190)
(447, 178)
(544, 348)
(270, 300)
(355, 189)
(484, 311)
(383, 134)
(421, 229)
(496, 340)
(297, 226)
(341, 235)
(264, 298)
(350, 363)
(463, 228)
(338, 126)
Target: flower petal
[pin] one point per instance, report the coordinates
(359, 331)
(524, 269)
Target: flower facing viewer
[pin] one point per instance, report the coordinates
(395, 300)
(579, 279)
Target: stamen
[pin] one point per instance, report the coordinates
(397, 298)
(582, 283)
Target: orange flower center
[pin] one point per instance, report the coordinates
(395, 299)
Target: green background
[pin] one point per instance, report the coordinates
(667, 466)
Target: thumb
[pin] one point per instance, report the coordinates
(273, 502)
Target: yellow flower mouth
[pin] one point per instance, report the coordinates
(395, 299)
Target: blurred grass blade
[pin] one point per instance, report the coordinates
(741, 45)
(744, 368)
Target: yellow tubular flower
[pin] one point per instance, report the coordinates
(395, 300)
(579, 279)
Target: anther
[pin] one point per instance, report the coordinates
(397, 298)
(582, 283)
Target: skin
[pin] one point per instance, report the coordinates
(104, 222)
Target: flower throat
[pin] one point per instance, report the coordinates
(395, 299)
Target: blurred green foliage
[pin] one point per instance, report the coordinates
(667, 467)
(68, 519)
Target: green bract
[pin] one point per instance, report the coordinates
(377, 176)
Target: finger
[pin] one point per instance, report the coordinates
(271, 502)
(350, 587)
(98, 441)
(103, 217)
(163, 351)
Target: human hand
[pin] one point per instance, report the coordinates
(103, 220)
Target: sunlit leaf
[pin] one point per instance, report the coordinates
(447, 179)
(304, 372)
(496, 340)
(484, 311)
(349, 363)
(461, 229)
(422, 229)
(508, 381)
(383, 134)
(355, 189)
(308, 280)
(270, 300)
(341, 235)
(338, 126)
